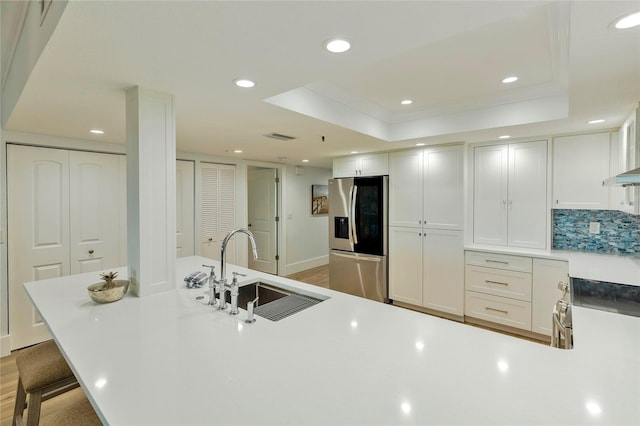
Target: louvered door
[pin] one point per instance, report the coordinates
(217, 209)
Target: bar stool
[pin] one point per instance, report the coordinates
(42, 373)
(79, 412)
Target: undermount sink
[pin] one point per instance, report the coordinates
(275, 302)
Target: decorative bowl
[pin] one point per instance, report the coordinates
(100, 294)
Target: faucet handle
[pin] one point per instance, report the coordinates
(250, 319)
(236, 275)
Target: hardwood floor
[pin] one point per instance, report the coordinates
(317, 276)
(8, 384)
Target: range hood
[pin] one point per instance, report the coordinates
(630, 178)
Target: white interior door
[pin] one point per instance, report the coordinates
(184, 208)
(262, 205)
(65, 217)
(94, 213)
(38, 232)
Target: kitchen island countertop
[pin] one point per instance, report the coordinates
(167, 359)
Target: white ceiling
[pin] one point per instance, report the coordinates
(448, 57)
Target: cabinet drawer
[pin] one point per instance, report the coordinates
(511, 284)
(513, 313)
(499, 261)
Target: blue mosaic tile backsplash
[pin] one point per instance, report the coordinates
(619, 231)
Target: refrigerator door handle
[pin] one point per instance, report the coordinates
(352, 216)
(350, 256)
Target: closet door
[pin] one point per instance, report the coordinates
(184, 208)
(38, 232)
(217, 209)
(65, 217)
(94, 213)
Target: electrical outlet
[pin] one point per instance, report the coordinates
(594, 227)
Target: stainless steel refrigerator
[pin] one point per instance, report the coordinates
(358, 236)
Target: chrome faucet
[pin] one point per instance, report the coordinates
(222, 283)
(212, 284)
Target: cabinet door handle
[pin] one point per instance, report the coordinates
(91, 251)
(210, 239)
(496, 282)
(502, 311)
(502, 262)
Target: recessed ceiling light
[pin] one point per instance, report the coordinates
(97, 131)
(241, 82)
(305, 161)
(628, 21)
(238, 151)
(337, 45)
(504, 137)
(354, 152)
(407, 102)
(510, 79)
(599, 120)
(420, 144)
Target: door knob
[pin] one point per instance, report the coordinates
(91, 251)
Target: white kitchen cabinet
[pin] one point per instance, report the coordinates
(517, 291)
(406, 189)
(426, 268)
(426, 188)
(217, 209)
(443, 271)
(500, 310)
(546, 275)
(405, 265)
(498, 288)
(510, 195)
(580, 165)
(443, 187)
(361, 165)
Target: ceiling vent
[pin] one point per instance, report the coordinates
(279, 136)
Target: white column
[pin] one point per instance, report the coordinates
(151, 191)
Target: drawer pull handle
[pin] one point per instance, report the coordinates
(502, 262)
(495, 282)
(502, 311)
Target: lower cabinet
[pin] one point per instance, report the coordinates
(546, 275)
(516, 291)
(426, 268)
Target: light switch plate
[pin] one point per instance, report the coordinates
(594, 227)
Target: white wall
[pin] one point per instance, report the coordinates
(307, 236)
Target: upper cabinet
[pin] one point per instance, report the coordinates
(361, 165)
(580, 165)
(510, 195)
(426, 188)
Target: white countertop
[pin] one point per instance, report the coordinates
(621, 269)
(166, 359)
